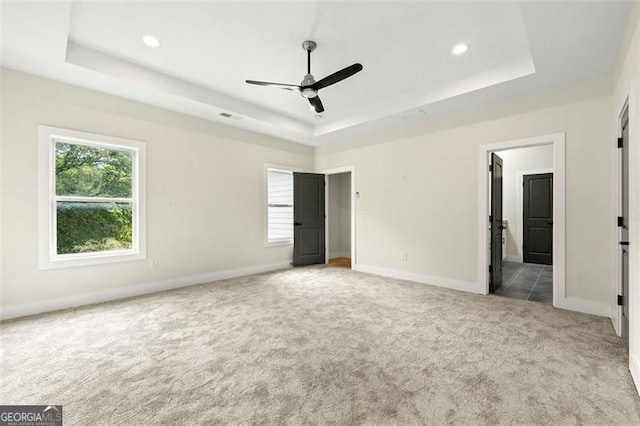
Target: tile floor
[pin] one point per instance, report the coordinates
(528, 281)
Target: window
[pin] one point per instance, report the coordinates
(279, 205)
(92, 203)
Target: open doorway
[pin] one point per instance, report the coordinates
(520, 236)
(525, 269)
(339, 219)
(340, 216)
(324, 217)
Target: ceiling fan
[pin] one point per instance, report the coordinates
(309, 87)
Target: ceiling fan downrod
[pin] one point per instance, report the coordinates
(309, 46)
(308, 80)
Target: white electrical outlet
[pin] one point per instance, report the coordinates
(403, 255)
(153, 264)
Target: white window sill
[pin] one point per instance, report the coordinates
(278, 243)
(67, 261)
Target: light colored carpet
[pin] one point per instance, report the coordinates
(319, 345)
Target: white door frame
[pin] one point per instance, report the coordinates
(617, 315)
(558, 142)
(336, 171)
(629, 97)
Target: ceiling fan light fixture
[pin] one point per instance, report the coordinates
(308, 92)
(460, 48)
(151, 41)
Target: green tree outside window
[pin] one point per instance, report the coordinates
(94, 198)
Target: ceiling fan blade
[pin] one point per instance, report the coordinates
(293, 87)
(337, 76)
(316, 103)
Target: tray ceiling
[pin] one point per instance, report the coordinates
(208, 49)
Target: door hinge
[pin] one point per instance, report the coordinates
(490, 167)
(620, 300)
(620, 142)
(620, 221)
(490, 219)
(490, 269)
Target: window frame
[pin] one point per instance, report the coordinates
(277, 168)
(47, 229)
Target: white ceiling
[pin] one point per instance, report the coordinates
(208, 49)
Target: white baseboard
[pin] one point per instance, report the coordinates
(577, 305)
(615, 321)
(10, 312)
(584, 306)
(425, 279)
(511, 258)
(634, 366)
(134, 290)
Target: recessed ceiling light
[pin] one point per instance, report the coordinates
(151, 41)
(459, 49)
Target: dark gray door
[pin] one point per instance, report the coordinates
(495, 269)
(308, 219)
(537, 218)
(624, 234)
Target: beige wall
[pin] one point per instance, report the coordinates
(1, 190)
(418, 194)
(514, 163)
(433, 215)
(205, 191)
